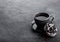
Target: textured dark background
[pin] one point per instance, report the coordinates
(16, 17)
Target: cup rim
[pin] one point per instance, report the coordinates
(42, 14)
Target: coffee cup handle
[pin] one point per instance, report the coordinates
(51, 18)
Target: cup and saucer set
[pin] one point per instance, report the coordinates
(45, 23)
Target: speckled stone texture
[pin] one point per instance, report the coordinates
(16, 17)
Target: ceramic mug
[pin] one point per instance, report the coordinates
(41, 19)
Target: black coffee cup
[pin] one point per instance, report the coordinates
(42, 18)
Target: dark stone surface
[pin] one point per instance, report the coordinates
(16, 17)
